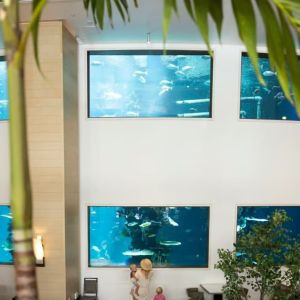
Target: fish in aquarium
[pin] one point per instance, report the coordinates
(263, 102)
(6, 245)
(170, 236)
(143, 84)
(250, 215)
(3, 91)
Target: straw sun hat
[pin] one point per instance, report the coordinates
(146, 264)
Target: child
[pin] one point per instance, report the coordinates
(159, 294)
(133, 279)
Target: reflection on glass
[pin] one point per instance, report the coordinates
(263, 102)
(169, 236)
(3, 91)
(138, 84)
(6, 247)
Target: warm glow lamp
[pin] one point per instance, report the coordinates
(39, 251)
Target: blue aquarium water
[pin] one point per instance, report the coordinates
(250, 215)
(6, 256)
(263, 102)
(142, 84)
(169, 236)
(3, 91)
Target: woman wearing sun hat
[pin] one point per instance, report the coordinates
(143, 277)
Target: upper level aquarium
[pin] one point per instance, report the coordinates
(148, 84)
(6, 248)
(169, 236)
(263, 102)
(3, 90)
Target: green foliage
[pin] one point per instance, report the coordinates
(265, 258)
(246, 24)
(292, 274)
(100, 7)
(233, 269)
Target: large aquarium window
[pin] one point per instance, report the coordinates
(263, 102)
(3, 90)
(251, 215)
(6, 248)
(169, 236)
(128, 84)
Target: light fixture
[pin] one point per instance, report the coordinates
(148, 38)
(38, 248)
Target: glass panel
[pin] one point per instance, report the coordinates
(3, 91)
(142, 84)
(250, 215)
(6, 247)
(169, 236)
(263, 102)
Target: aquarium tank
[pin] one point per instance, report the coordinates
(3, 91)
(263, 102)
(169, 236)
(6, 247)
(148, 84)
(247, 216)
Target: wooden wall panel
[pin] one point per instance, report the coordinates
(46, 151)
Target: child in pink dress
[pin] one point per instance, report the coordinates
(159, 294)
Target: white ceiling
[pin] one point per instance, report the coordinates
(146, 18)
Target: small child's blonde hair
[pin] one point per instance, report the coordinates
(132, 266)
(159, 290)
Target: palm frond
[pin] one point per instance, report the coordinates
(246, 24)
(274, 43)
(189, 7)
(292, 61)
(100, 7)
(32, 27)
(201, 16)
(109, 12)
(216, 11)
(169, 7)
(291, 10)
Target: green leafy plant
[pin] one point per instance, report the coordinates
(233, 273)
(265, 258)
(281, 21)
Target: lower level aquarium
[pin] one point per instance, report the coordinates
(6, 248)
(169, 236)
(250, 215)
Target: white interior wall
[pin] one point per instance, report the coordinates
(222, 162)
